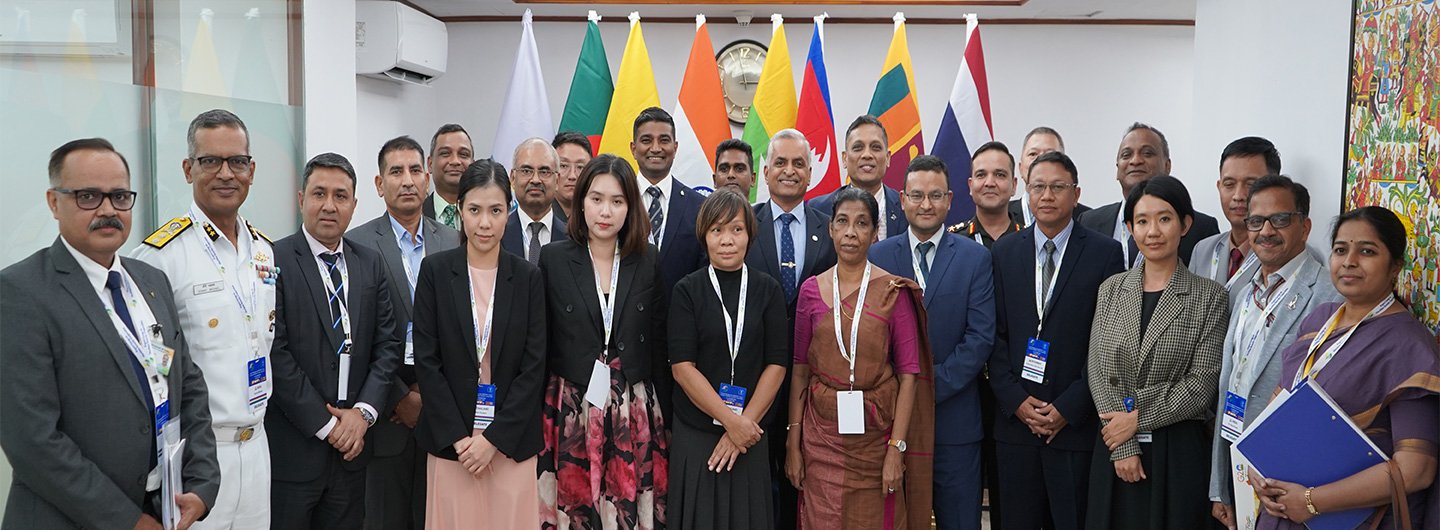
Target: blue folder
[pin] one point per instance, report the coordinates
(1303, 437)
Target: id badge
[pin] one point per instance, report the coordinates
(734, 398)
(410, 344)
(1037, 353)
(1233, 422)
(162, 357)
(257, 391)
(343, 393)
(598, 391)
(850, 411)
(484, 406)
(1144, 437)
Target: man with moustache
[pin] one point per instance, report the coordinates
(1227, 255)
(574, 151)
(450, 153)
(395, 478)
(733, 166)
(866, 157)
(991, 185)
(1038, 141)
(95, 365)
(534, 224)
(222, 274)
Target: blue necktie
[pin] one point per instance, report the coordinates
(924, 250)
(787, 256)
(113, 283)
(657, 215)
(332, 261)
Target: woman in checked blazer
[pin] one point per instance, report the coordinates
(1154, 364)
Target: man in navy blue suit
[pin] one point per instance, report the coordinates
(1046, 280)
(534, 177)
(670, 204)
(960, 305)
(866, 155)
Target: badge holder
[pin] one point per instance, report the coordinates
(1037, 356)
(734, 398)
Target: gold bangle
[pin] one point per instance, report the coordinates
(1309, 504)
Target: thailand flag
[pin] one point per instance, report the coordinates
(966, 125)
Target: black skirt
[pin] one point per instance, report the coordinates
(1175, 493)
(701, 499)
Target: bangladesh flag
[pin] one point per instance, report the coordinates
(590, 89)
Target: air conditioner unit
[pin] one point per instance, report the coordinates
(396, 42)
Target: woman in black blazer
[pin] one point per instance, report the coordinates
(602, 414)
(482, 391)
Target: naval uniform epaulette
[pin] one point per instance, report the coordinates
(167, 232)
(255, 233)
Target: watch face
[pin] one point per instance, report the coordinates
(740, 64)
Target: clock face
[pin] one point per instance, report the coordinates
(740, 64)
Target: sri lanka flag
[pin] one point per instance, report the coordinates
(896, 104)
(966, 125)
(815, 118)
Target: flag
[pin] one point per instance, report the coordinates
(253, 75)
(202, 67)
(773, 108)
(700, 119)
(895, 103)
(815, 118)
(590, 89)
(966, 124)
(634, 91)
(526, 112)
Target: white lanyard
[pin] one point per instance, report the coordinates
(330, 291)
(1042, 298)
(850, 354)
(733, 337)
(1247, 347)
(607, 305)
(1215, 258)
(140, 345)
(482, 335)
(1301, 373)
(915, 264)
(245, 309)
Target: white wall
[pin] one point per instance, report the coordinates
(385, 110)
(1279, 70)
(1089, 82)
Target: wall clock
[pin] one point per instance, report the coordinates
(740, 63)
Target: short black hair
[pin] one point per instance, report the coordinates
(1386, 224)
(994, 146)
(1043, 130)
(1163, 187)
(57, 157)
(214, 119)
(481, 173)
(399, 143)
(1058, 158)
(851, 193)
(574, 138)
(867, 119)
(736, 144)
(653, 114)
(1297, 190)
(447, 129)
(929, 163)
(1253, 146)
(1164, 144)
(719, 208)
(330, 160)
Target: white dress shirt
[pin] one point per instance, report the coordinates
(316, 249)
(547, 228)
(657, 232)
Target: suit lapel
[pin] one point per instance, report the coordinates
(1166, 310)
(896, 215)
(813, 248)
(765, 240)
(558, 232)
(1291, 308)
(511, 240)
(394, 263)
(940, 264)
(460, 293)
(582, 270)
(504, 274)
(319, 298)
(1073, 251)
(622, 288)
(358, 281)
(677, 212)
(1027, 238)
(75, 281)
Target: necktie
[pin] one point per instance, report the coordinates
(787, 256)
(113, 283)
(924, 250)
(533, 254)
(450, 216)
(1261, 296)
(657, 217)
(1235, 259)
(332, 262)
(1047, 273)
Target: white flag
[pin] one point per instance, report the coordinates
(526, 113)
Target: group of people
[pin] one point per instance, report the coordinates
(578, 342)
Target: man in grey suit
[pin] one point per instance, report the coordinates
(1226, 257)
(93, 353)
(1290, 283)
(395, 478)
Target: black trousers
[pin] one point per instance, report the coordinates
(395, 490)
(1044, 487)
(335, 500)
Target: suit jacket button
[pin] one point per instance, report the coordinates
(620, 346)
(640, 307)
(145, 429)
(569, 308)
(642, 338)
(333, 365)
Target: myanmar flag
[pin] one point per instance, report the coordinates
(896, 104)
(590, 89)
(816, 119)
(634, 91)
(774, 106)
(700, 120)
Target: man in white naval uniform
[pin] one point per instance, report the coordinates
(223, 274)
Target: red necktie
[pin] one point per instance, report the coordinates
(1235, 259)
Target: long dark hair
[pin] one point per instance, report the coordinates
(637, 225)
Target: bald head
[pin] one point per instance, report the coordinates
(533, 176)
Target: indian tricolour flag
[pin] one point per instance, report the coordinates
(700, 120)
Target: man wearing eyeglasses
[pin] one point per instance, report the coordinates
(1289, 284)
(533, 224)
(992, 182)
(222, 274)
(98, 381)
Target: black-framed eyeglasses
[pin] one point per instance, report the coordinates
(239, 164)
(90, 198)
(1039, 189)
(527, 172)
(1256, 223)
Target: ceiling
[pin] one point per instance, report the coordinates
(1047, 9)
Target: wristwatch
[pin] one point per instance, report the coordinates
(898, 444)
(369, 418)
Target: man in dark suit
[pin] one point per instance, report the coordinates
(536, 222)
(93, 353)
(791, 244)
(450, 153)
(671, 204)
(1045, 424)
(866, 158)
(1038, 141)
(574, 150)
(1144, 154)
(336, 350)
(395, 478)
(954, 273)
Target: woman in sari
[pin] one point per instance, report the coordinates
(1381, 366)
(860, 438)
